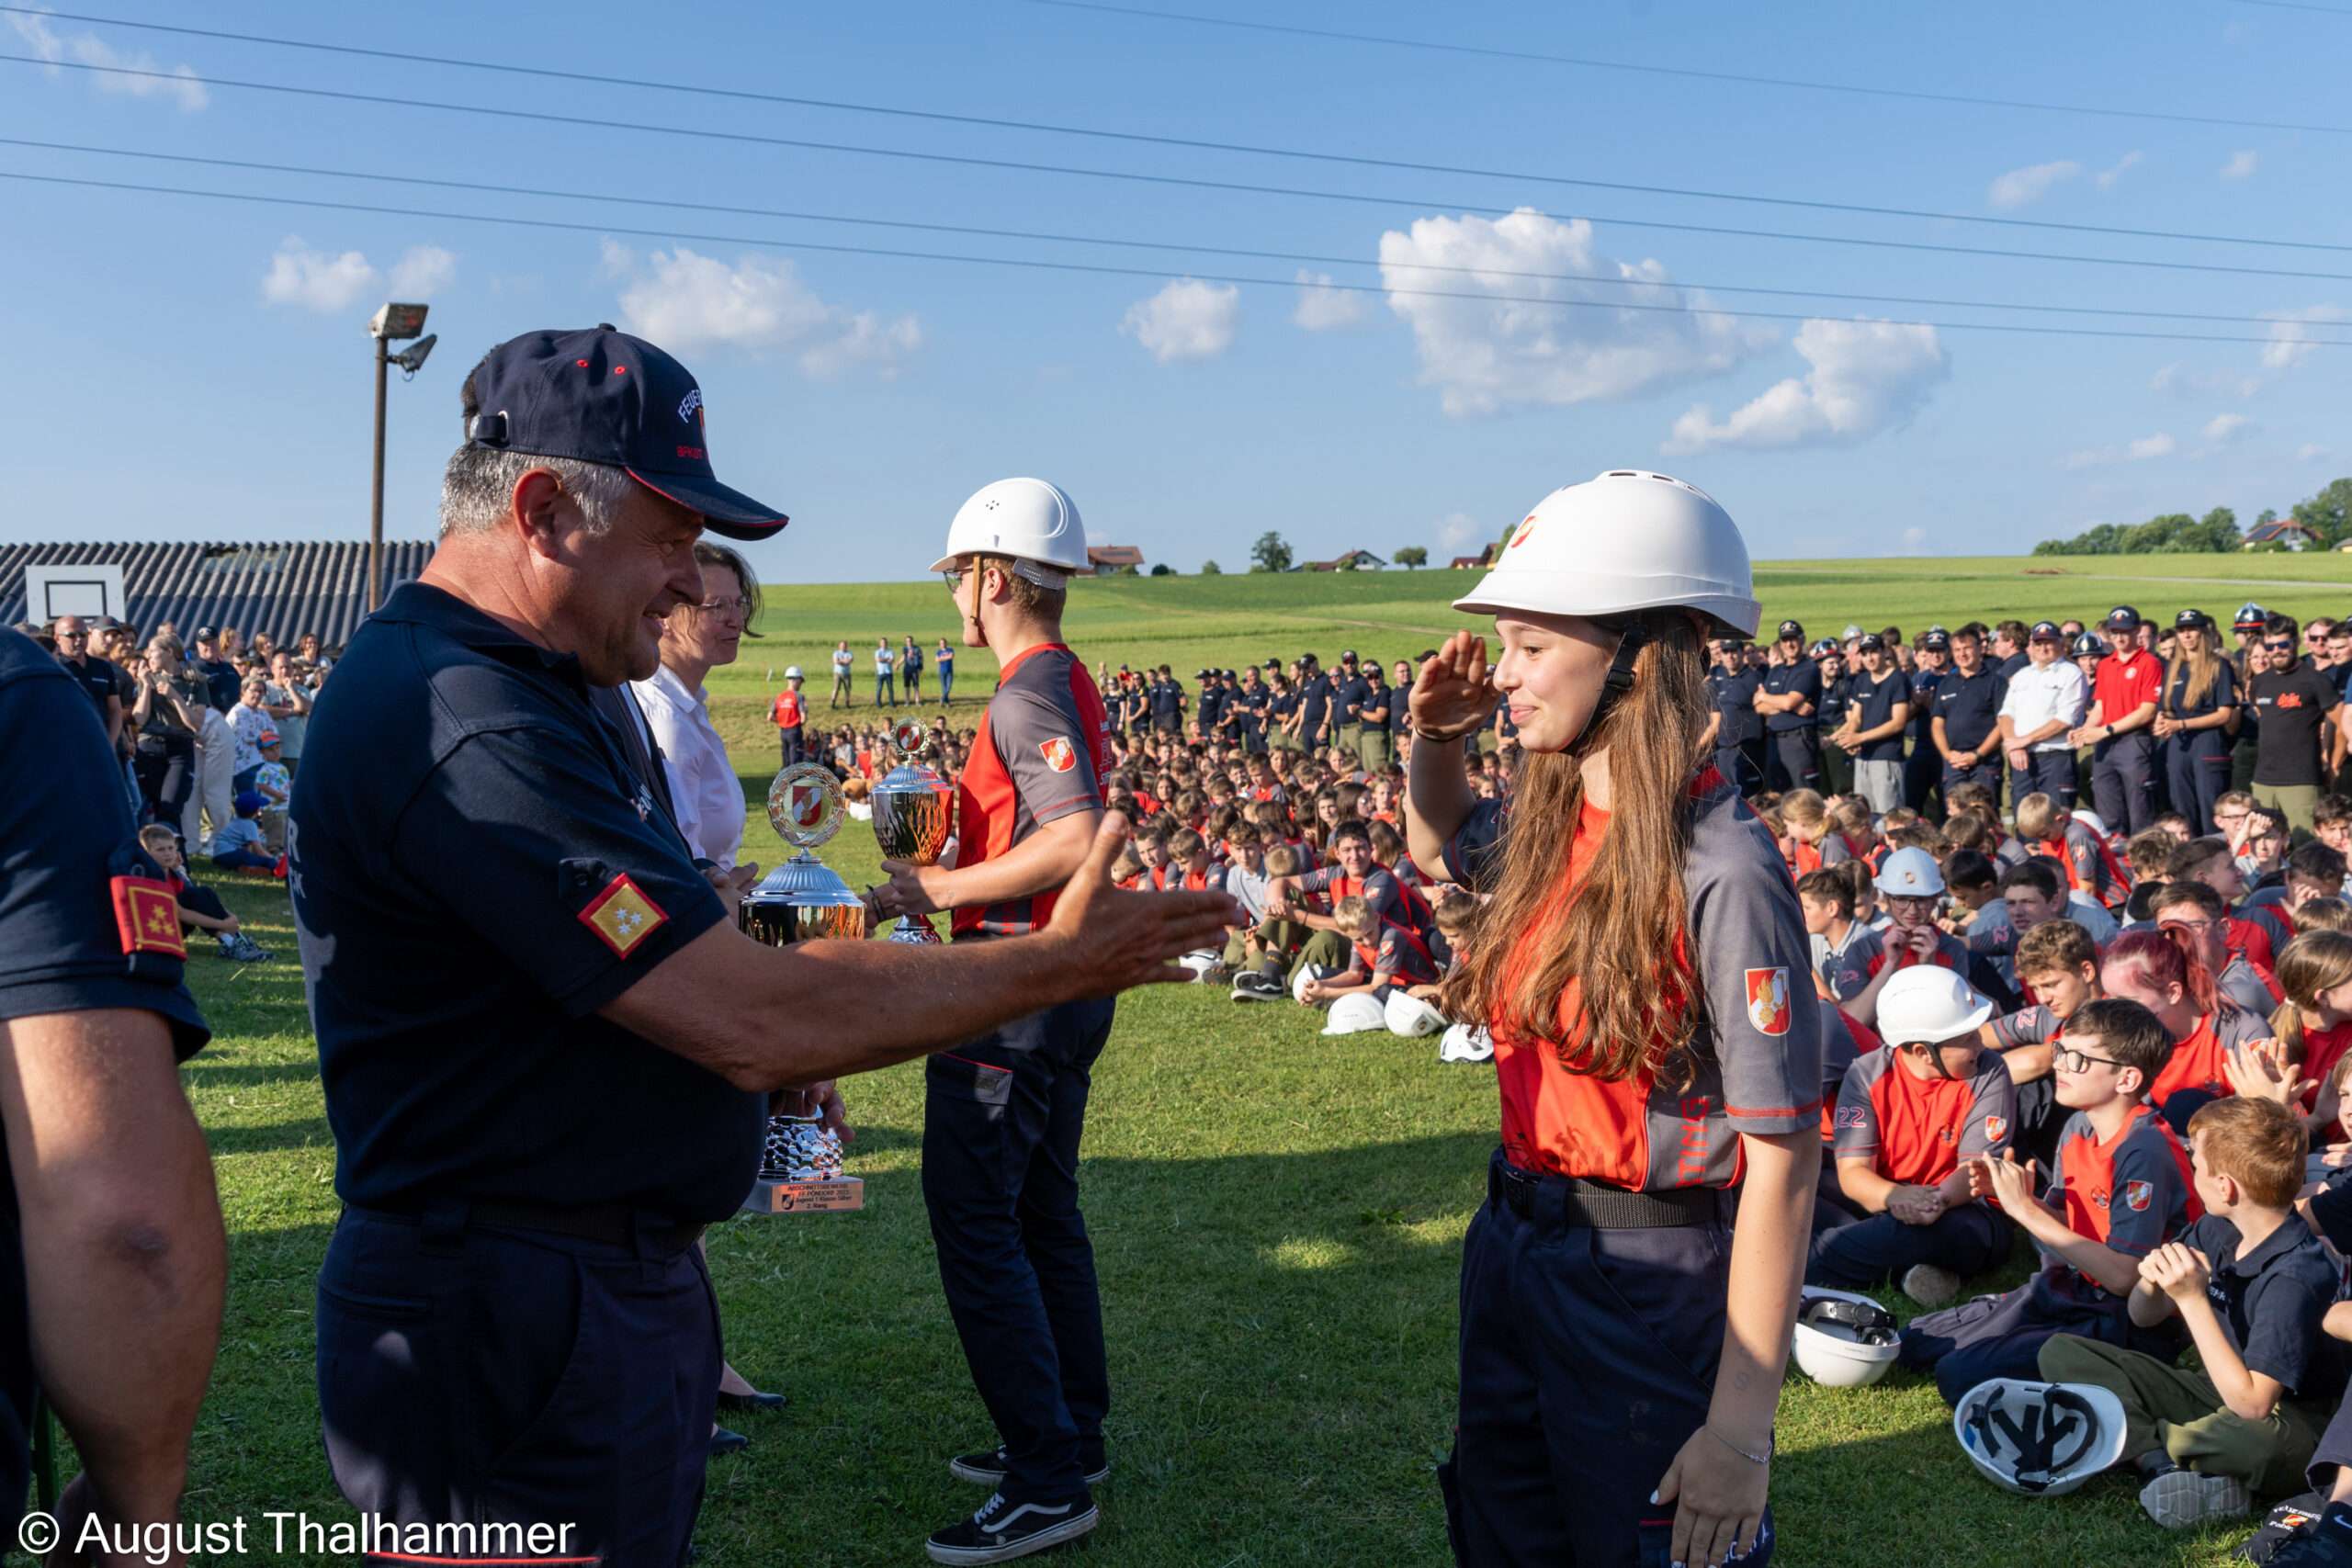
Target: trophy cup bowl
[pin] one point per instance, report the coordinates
(915, 816)
(803, 900)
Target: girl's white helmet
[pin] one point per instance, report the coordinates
(1463, 1043)
(1844, 1340)
(1412, 1017)
(1625, 541)
(2041, 1438)
(1028, 520)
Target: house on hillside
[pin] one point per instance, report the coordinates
(2286, 531)
(1467, 563)
(1358, 560)
(1108, 558)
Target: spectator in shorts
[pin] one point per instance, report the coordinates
(1878, 709)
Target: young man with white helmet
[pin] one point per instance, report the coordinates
(1909, 1119)
(1003, 1113)
(1604, 1273)
(790, 713)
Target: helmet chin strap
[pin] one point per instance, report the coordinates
(1632, 638)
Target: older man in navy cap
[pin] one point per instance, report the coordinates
(546, 1048)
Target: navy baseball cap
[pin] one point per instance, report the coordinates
(601, 396)
(1790, 629)
(1937, 642)
(2122, 618)
(2046, 631)
(1870, 643)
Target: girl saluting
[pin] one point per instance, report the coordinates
(1643, 974)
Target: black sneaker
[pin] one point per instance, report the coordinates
(2324, 1544)
(1256, 988)
(988, 1468)
(1004, 1529)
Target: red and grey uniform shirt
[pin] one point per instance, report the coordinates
(2249, 985)
(1397, 958)
(1847, 970)
(2323, 1051)
(2089, 863)
(1044, 748)
(2251, 938)
(1845, 1039)
(1378, 889)
(1917, 1130)
(2201, 1061)
(2132, 1193)
(1174, 878)
(788, 710)
(2027, 1026)
(1951, 953)
(1757, 1050)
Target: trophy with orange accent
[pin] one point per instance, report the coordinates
(803, 900)
(915, 816)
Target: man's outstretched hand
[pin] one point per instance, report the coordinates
(1134, 939)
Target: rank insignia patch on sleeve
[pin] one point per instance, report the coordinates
(146, 916)
(622, 915)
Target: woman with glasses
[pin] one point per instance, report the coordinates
(2293, 700)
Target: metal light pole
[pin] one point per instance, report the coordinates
(392, 321)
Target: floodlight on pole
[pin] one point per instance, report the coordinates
(390, 323)
(412, 359)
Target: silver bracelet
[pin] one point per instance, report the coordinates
(1764, 1457)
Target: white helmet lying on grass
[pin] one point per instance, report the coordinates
(1358, 1012)
(1412, 1017)
(1844, 1340)
(1464, 1043)
(2041, 1438)
(1308, 972)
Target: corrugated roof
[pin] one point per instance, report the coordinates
(284, 589)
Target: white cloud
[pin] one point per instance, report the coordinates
(180, 83)
(2292, 337)
(2106, 177)
(1457, 530)
(1914, 538)
(422, 272)
(1548, 336)
(317, 280)
(2199, 384)
(684, 300)
(2309, 452)
(2145, 448)
(2023, 187)
(2240, 165)
(2224, 428)
(1187, 320)
(1322, 308)
(1866, 377)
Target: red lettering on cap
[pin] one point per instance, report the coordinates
(693, 452)
(620, 369)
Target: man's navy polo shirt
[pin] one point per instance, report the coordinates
(1350, 695)
(1969, 706)
(1314, 697)
(1803, 679)
(1734, 694)
(475, 871)
(68, 851)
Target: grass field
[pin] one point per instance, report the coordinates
(1277, 1215)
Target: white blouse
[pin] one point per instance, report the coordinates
(702, 781)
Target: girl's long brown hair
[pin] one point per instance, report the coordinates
(2190, 677)
(1620, 931)
(2314, 962)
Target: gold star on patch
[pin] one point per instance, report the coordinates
(622, 915)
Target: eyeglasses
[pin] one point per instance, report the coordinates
(72, 637)
(1914, 902)
(2231, 815)
(2200, 924)
(738, 608)
(2067, 1059)
(2279, 647)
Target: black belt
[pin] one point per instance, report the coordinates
(614, 1224)
(1596, 1205)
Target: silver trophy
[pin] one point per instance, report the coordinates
(915, 816)
(803, 900)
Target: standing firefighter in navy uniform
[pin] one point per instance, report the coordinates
(1658, 1056)
(546, 1050)
(1004, 1112)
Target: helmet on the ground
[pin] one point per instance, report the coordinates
(1626, 541)
(1844, 1340)
(2041, 1438)
(1927, 1004)
(1910, 873)
(1028, 521)
(1358, 1012)
(1200, 963)
(1308, 972)
(1465, 1043)
(1412, 1017)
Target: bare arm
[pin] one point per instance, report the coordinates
(767, 1018)
(125, 1259)
(1450, 691)
(1860, 1181)
(1046, 859)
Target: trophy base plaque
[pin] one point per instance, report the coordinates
(831, 1195)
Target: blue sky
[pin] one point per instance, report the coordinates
(193, 368)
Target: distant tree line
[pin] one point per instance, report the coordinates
(2327, 515)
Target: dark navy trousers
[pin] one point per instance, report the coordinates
(1987, 771)
(2002, 1337)
(2197, 768)
(495, 1376)
(1793, 760)
(1588, 1359)
(2046, 772)
(2123, 781)
(1967, 1240)
(1002, 1117)
(1743, 764)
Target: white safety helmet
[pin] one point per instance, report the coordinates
(1308, 972)
(1626, 541)
(1200, 963)
(1412, 1017)
(1466, 1043)
(2041, 1438)
(1927, 1004)
(792, 672)
(1844, 1340)
(1028, 520)
(1910, 874)
(1358, 1012)
(2090, 819)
